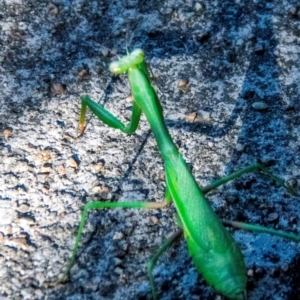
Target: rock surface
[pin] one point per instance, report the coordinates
(232, 54)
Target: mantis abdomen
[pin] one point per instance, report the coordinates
(215, 253)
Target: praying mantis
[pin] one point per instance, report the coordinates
(215, 253)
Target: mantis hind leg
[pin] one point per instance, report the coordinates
(102, 205)
(252, 227)
(248, 169)
(152, 262)
(262, 229)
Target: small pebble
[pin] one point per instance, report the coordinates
(19, 242)
(62, 169)
(239, 147)
(44, 155)
(198, 7)
(166, 10)
(117, 261)
(161, 176)
(105, 52)
(58, 88)
(118, 236)
(129, 98)
(154, 220)
(8, 230)
(292, 182)
(293, 11)
(272, 217)
(23, 208)
(71, 162)
(259, 49)
(98, 167)
(84, 73)
(260, 106)
(285, 267)
(91, 287)
(7, 133)
(104, 192)
(191, 117)
(118, 172)
(96, 189)
(52, 9)
(182, 84)
(202, 116)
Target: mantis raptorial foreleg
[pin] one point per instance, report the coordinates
(107, 118)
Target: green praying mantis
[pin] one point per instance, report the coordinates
(215, 253)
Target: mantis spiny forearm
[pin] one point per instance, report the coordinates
(214, 251)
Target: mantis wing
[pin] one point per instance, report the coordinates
(212, 248)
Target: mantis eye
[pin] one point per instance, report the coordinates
(118, 67)
(137, 56)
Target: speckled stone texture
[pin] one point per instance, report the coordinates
(240, 61)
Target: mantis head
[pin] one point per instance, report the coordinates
(124, 63)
